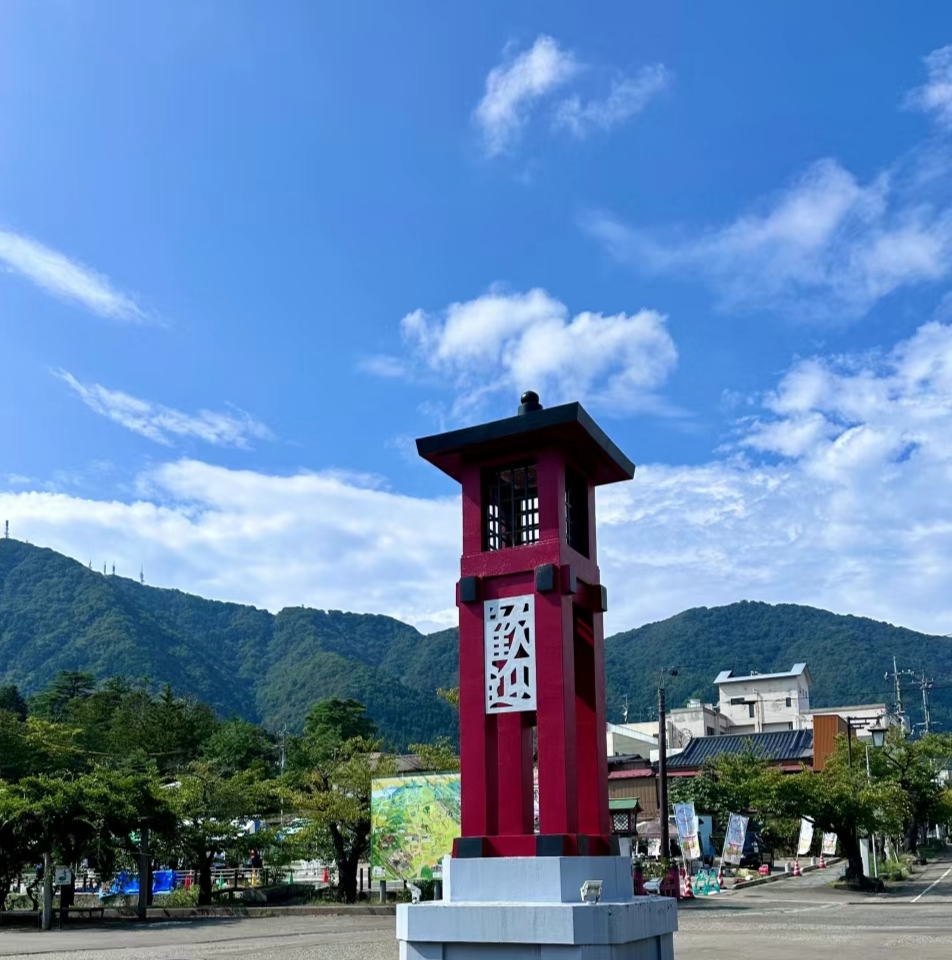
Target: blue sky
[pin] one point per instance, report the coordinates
(249, 251)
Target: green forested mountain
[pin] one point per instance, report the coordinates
(848, 657)
(57, 615)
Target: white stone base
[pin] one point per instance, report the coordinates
(530, 908)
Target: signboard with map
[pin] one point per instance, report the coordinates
(413, 823)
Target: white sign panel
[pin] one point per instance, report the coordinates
(829, 845)
(509, 629)
(62, 876)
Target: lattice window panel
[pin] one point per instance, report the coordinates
(621, 823)
(509, 626)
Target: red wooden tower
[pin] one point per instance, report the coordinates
(532, 673)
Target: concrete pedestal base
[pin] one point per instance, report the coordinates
(530, 908)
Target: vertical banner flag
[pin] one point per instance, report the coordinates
(734, 840)
(806, 837)
(829, 845)
(686, 820)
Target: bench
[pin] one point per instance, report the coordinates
(87, 911)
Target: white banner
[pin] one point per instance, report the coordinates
(806, 837)
(829, 845)
(686, 820)
(734, 839)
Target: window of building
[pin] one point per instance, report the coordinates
(790, 726)
(510, 507)
(750, 709)
(576, 511)
(737, 701)
(789, 702)
(710, 731)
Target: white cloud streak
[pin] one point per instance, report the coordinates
(163, 424)
(842, 500)
(935, 96)
(514, 85)
(627, 97)
(510, 342)
(828, 247)
(67, 279)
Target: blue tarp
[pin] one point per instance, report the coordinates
(163, 881)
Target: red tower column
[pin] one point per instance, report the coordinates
(531, 644)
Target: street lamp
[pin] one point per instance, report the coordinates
(879, 736)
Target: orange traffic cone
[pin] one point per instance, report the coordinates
(326, 878)
(687, 892)
(796, 868)
(822, 863)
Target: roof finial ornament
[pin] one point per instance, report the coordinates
(530, 402)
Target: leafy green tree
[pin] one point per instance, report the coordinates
(54, 702)
(914, 766)
(329, 782)
(211, 807)
(240, 745)
(12, 702)
(439, 757)
(17, 847)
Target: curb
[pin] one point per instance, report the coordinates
(160, 914)
(774, 877)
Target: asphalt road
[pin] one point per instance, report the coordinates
(797, 919)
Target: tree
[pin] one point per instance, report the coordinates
(12, 702)
(240, 745)
(54, 702)
(211, 807)
(338, 720)
(914, 765)
(439, 757)
(329, 782)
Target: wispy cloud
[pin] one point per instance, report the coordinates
(935, 96)
(514, 85)
(828, 246)
(836, 494)
(162, 424)
(628, 96)
(55, 273)
(505, 342)
(528, 80)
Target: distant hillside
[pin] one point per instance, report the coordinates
(848, 657)
(55, 614)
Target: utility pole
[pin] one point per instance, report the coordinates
(896, 676)
(663, 762)
(46, 918)
(925, 686)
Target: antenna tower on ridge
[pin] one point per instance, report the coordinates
(6, 529)
(142, 575)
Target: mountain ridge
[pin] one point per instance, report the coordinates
(56, 614)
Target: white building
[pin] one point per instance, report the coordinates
(764, 702)
(861, 717)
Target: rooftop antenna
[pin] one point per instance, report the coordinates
(142, 575)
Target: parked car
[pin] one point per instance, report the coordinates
(756, 853)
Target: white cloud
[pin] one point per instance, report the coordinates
(321, 539)
(827, 247)
(628, 96)
(57, 274)
(935, 96)
(836, 494)
(510, 342)
(514, 85)
(524, 82)
(382, 365)
(161, 424)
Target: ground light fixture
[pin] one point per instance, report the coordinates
(591, 891)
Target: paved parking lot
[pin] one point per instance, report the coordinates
(789, 920)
